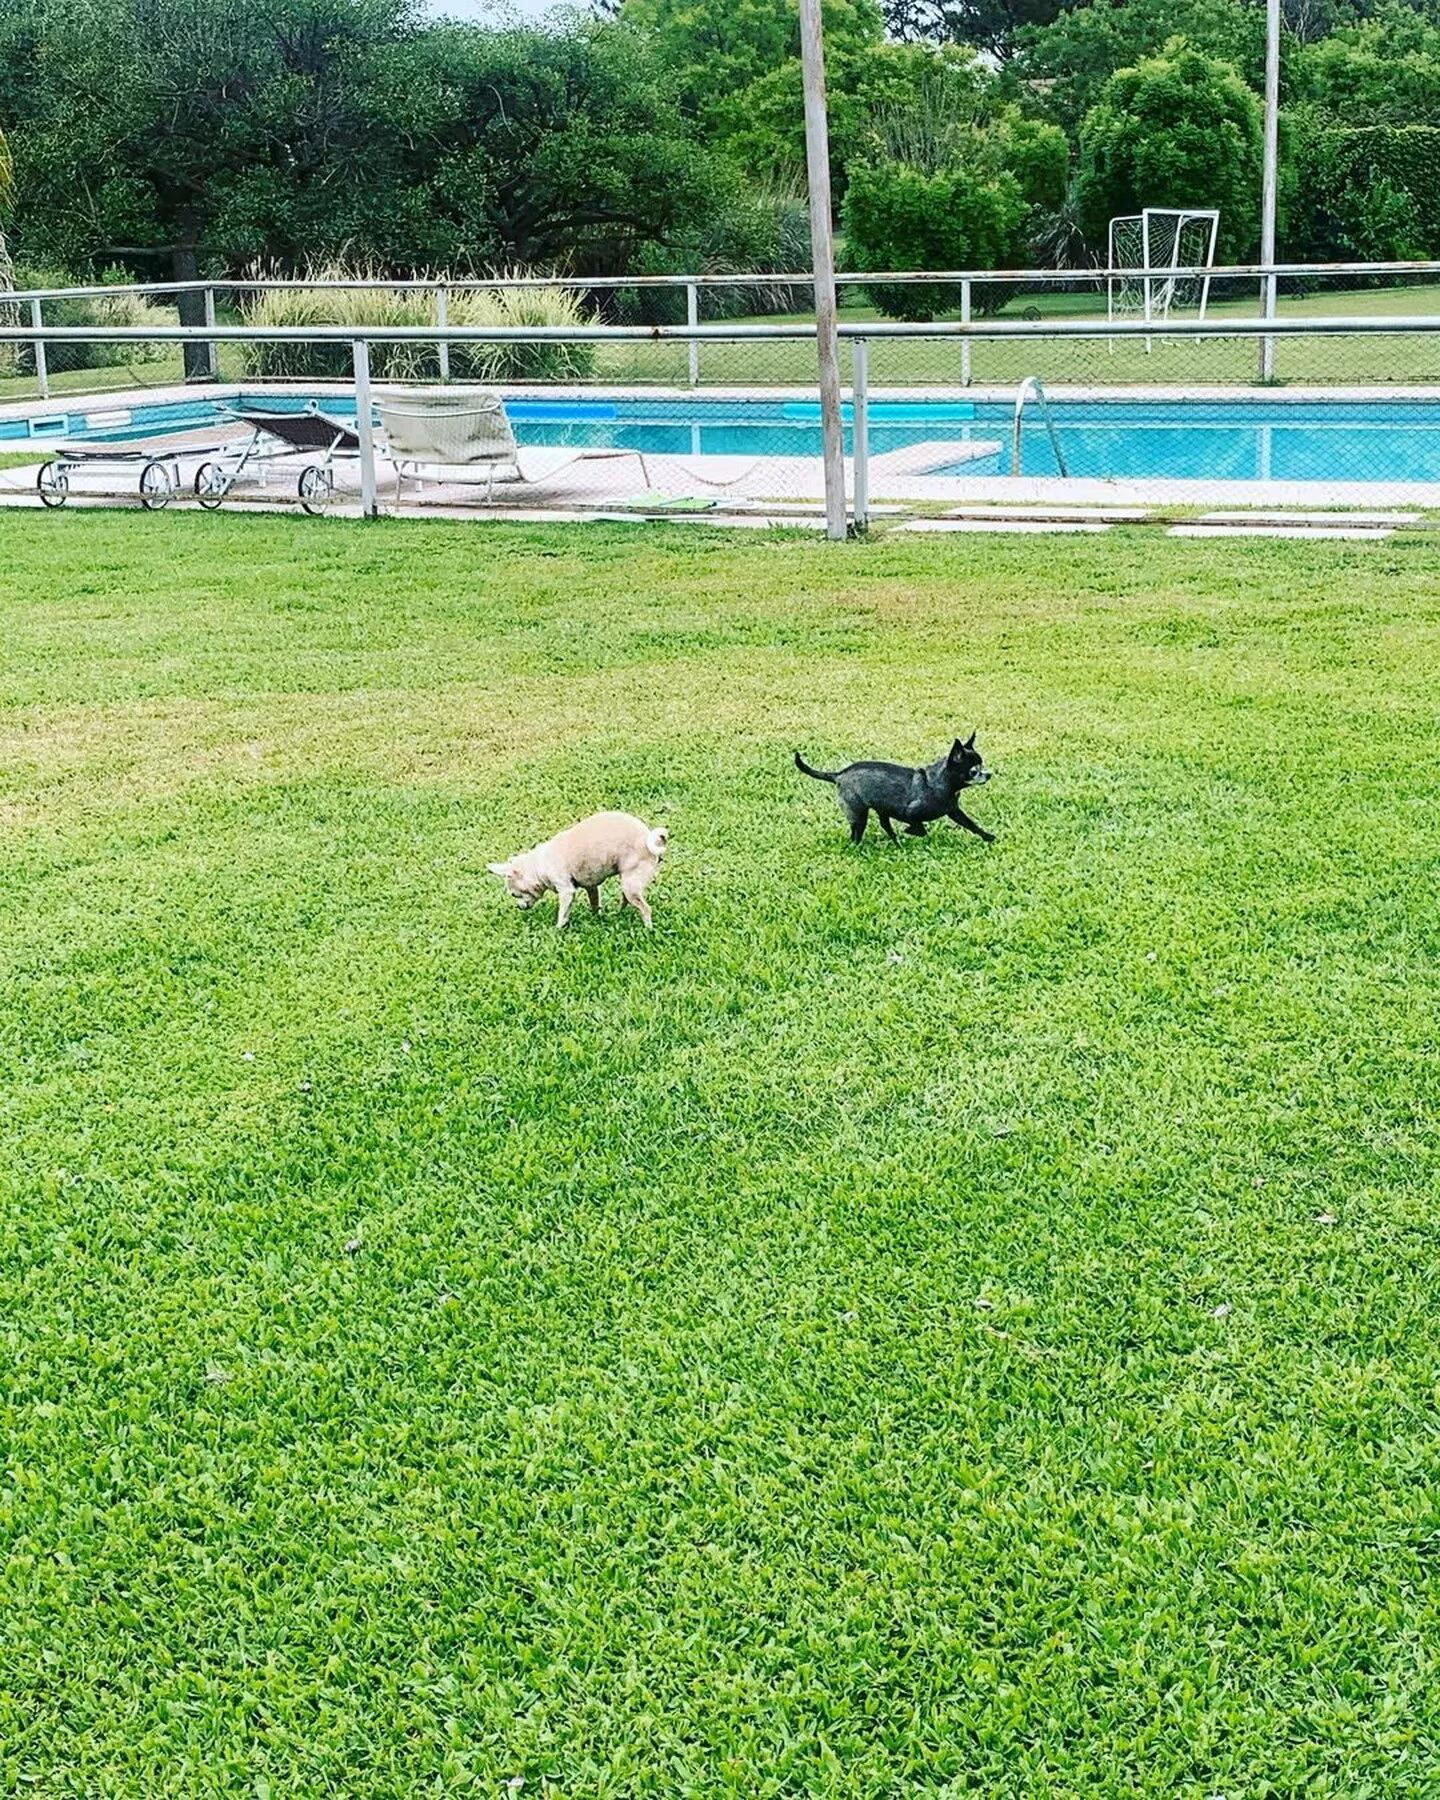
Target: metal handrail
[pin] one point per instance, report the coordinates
(1032, 388)
(766, 278)
(1358, 325)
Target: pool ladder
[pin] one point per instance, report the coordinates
(1031, 388)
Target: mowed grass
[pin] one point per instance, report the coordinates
(930, 1319)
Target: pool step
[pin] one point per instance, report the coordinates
(1008, 526)
(1105, 515)
(1316, 519)
(1363, 533)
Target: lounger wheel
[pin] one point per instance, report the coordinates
(157, 485)
(212, 484)
(52, 484)
(316, 489)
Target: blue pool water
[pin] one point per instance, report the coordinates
(1166, 437)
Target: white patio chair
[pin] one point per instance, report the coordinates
(437, 431)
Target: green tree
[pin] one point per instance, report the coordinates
(864, 87)
(1063, 65)
(991, 25)
(1179, 129)
(718, 49)
(1383, 71)
(1365, 193)
(552, 149)
(949, 187)
(900, 217)
(183, 135)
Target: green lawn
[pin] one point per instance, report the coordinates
(930, 1319)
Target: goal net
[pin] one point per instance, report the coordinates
(1154, 244)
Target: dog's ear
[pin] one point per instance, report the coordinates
(500, 869)
(970, 741)
(957, 750)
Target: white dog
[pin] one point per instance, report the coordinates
(605, 844)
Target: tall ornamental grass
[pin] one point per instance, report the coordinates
(379, 307)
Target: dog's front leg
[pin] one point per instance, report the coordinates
(963, 818)
(567, 900)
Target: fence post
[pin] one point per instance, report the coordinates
(442, 319)
(360, 351)
(212, 349)
(692, 319)
(860, 432)
(965, 342)
(42, 370)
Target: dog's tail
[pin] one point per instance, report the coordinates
(656, 840)
(814, 774)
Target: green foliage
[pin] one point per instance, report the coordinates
(992, 25)
(333, 127)
(1366, 193)
(414, 362)
(108, 310)
(866, 88)
(1384, 70)
(901, 217)
(1063, 66)
(952, 182)
(1180, 129)
(763, 231)
(717, 49)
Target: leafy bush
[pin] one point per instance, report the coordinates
(1179, 129)
(1366, 193)
(756, 233)
(111, 309)
(379, 307)
(900, 217)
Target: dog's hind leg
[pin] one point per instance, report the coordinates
(887, 827)
(963, 818)
(633, 889)
(859, 817)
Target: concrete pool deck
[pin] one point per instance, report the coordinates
(741, 487)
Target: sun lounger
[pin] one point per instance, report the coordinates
(273, 434)
(437, 432)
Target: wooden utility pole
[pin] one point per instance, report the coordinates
(822, 256)
(1267, 193)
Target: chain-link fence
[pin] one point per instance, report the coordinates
(1099, 405)
(1036, 298)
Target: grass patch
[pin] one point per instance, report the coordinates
(935, 1318)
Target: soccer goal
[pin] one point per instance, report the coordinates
(1164, 239)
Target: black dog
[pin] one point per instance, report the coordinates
(914, 796)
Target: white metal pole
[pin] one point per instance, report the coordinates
(442, 319)
(965, 342)
(822, 251)
(42, 370)
(860, 430)
(692, 319)
(360, 350)
(1267, 200)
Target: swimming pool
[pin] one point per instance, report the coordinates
(1171, 437)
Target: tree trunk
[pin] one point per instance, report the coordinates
(185, 266)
